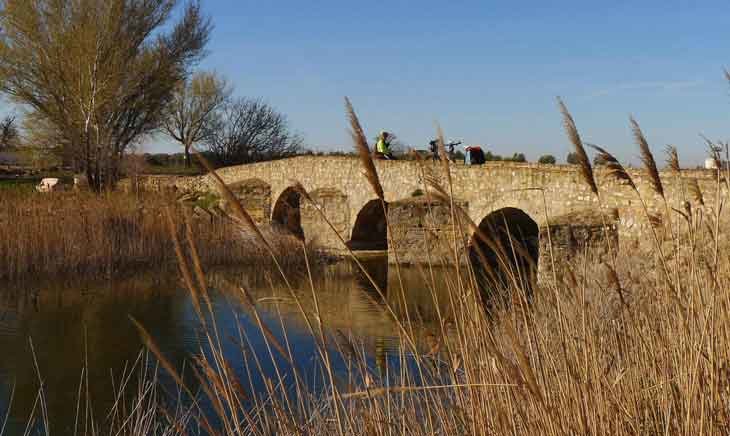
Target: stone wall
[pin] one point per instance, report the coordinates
(255, 197)
(422, 232)
(333, 204)
(575, 234)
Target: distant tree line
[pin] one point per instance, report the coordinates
(516, 157)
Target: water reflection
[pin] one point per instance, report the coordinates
(70, 321)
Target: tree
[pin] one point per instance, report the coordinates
(489, 157)
(9, 135)
(249, 130)
(547, 159)
(518, 157)
(99, 72)
(43, 143)
(572, 158)
(193, 107)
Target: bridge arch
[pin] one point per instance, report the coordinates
(370, 231)
(510, 252)
(287, 213)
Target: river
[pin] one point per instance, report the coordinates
(52, 329)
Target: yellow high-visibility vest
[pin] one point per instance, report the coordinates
(382, 146)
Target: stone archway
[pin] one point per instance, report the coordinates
(370, 231)
(506, 250)
(287, 214)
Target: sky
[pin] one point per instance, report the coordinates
(488, 72)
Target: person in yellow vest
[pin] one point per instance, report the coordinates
(382, 148)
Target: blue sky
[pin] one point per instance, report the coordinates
(488, 71)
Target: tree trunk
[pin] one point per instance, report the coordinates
(187, 155)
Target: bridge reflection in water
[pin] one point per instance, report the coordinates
(71, 321)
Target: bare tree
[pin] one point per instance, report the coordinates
(249, 130)
(98, 71)
(193, 107)
(9, 135)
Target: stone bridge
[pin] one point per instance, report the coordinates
(525, 197)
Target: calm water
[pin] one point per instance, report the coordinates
(68, 321)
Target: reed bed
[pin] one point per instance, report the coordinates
(637, 345)
(81, 232)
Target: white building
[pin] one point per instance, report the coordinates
(711, 164)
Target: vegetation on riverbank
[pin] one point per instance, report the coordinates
(637, 345)
(82, 232)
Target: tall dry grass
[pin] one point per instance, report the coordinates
(81, 232)
(638, 346)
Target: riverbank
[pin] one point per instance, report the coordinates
(85, 233)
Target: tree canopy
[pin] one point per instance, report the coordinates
(547, 159)
(193, 107)
(249, 130)
(98, 72)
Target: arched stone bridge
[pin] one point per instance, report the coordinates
(522, 195)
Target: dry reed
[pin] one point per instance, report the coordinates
(600, 350)
(70, 232)
(647, 158)
(575, 139)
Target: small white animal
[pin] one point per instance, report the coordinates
(47, 185)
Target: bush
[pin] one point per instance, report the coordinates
(547, 159)
(572, 158)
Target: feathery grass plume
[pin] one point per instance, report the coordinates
(574, 136)
(673, 159)
(647, 158)
(615, 169)
(713, 150)
(361, 145)
(694, 188)
(656, 220)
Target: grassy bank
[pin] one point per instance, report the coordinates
(81, 232)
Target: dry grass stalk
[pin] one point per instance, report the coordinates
(647, 158)
(363, 150)
(615, 169)
(623, 362)
(574, 136)
(239, 211)
(673, 159)
(693, 186)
